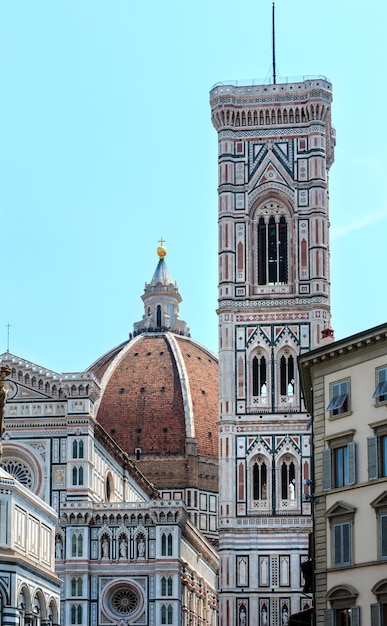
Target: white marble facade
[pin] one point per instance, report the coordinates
(121, 553)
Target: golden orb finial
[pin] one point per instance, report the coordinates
(161, 250)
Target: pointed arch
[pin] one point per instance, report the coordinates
(259, 483)
(288, 479)
(271, 241)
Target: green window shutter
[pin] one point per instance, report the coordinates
(372, 452)
(329, 617)
(356, 616)
(346, 537)
(327, 469)
(376, 614)
(352, 463)
(338, 545)
(383, 536)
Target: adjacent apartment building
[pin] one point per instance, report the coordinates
(345, 390)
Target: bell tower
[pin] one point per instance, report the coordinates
(276, 145)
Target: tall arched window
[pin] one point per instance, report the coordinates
(259, 376)
(166, 614)
(76, 586)
(76, 614)
(287, 375)
(77, 475)
(272, 251)
(77, 449)
(77, 544)
(166, 544)
(259, 480)
(158, 316)
(288, 481)
(166, 586)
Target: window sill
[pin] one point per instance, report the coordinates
(332, 418)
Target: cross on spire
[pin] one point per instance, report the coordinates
(162, 241)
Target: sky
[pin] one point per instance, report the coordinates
(106, 145)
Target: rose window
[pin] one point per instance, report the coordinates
(20, 471)
(124, 601)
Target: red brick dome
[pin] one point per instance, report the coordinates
(159, 396)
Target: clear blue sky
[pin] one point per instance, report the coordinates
(106, 144)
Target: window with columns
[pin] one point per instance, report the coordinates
(166, 586)
(76, 614)
(287, 370)
(259, 480)
(77, 449)
(166, 544)
(77, 544)
(166, 614)
(76, 586)
(259, 375)
(77, 475)
(272, 250)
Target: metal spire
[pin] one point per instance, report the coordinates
(273, 43)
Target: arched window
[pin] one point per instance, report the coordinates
(259, 375)
(259, 480)
(288, 480)
(158, 316)
(78, 448)
(77, 476)
(272, 251)
(167, 614)
(287, 375)
(76, 586)
(166, 545)
(109, 487)
(166, 586)
(77, 544)
(76, 614)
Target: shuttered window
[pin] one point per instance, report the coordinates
(377, 456)
(383, 536)
(380, 392)
(342, 548)
(339, 398)
(339, 466)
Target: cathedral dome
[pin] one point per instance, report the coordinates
(159, 393)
